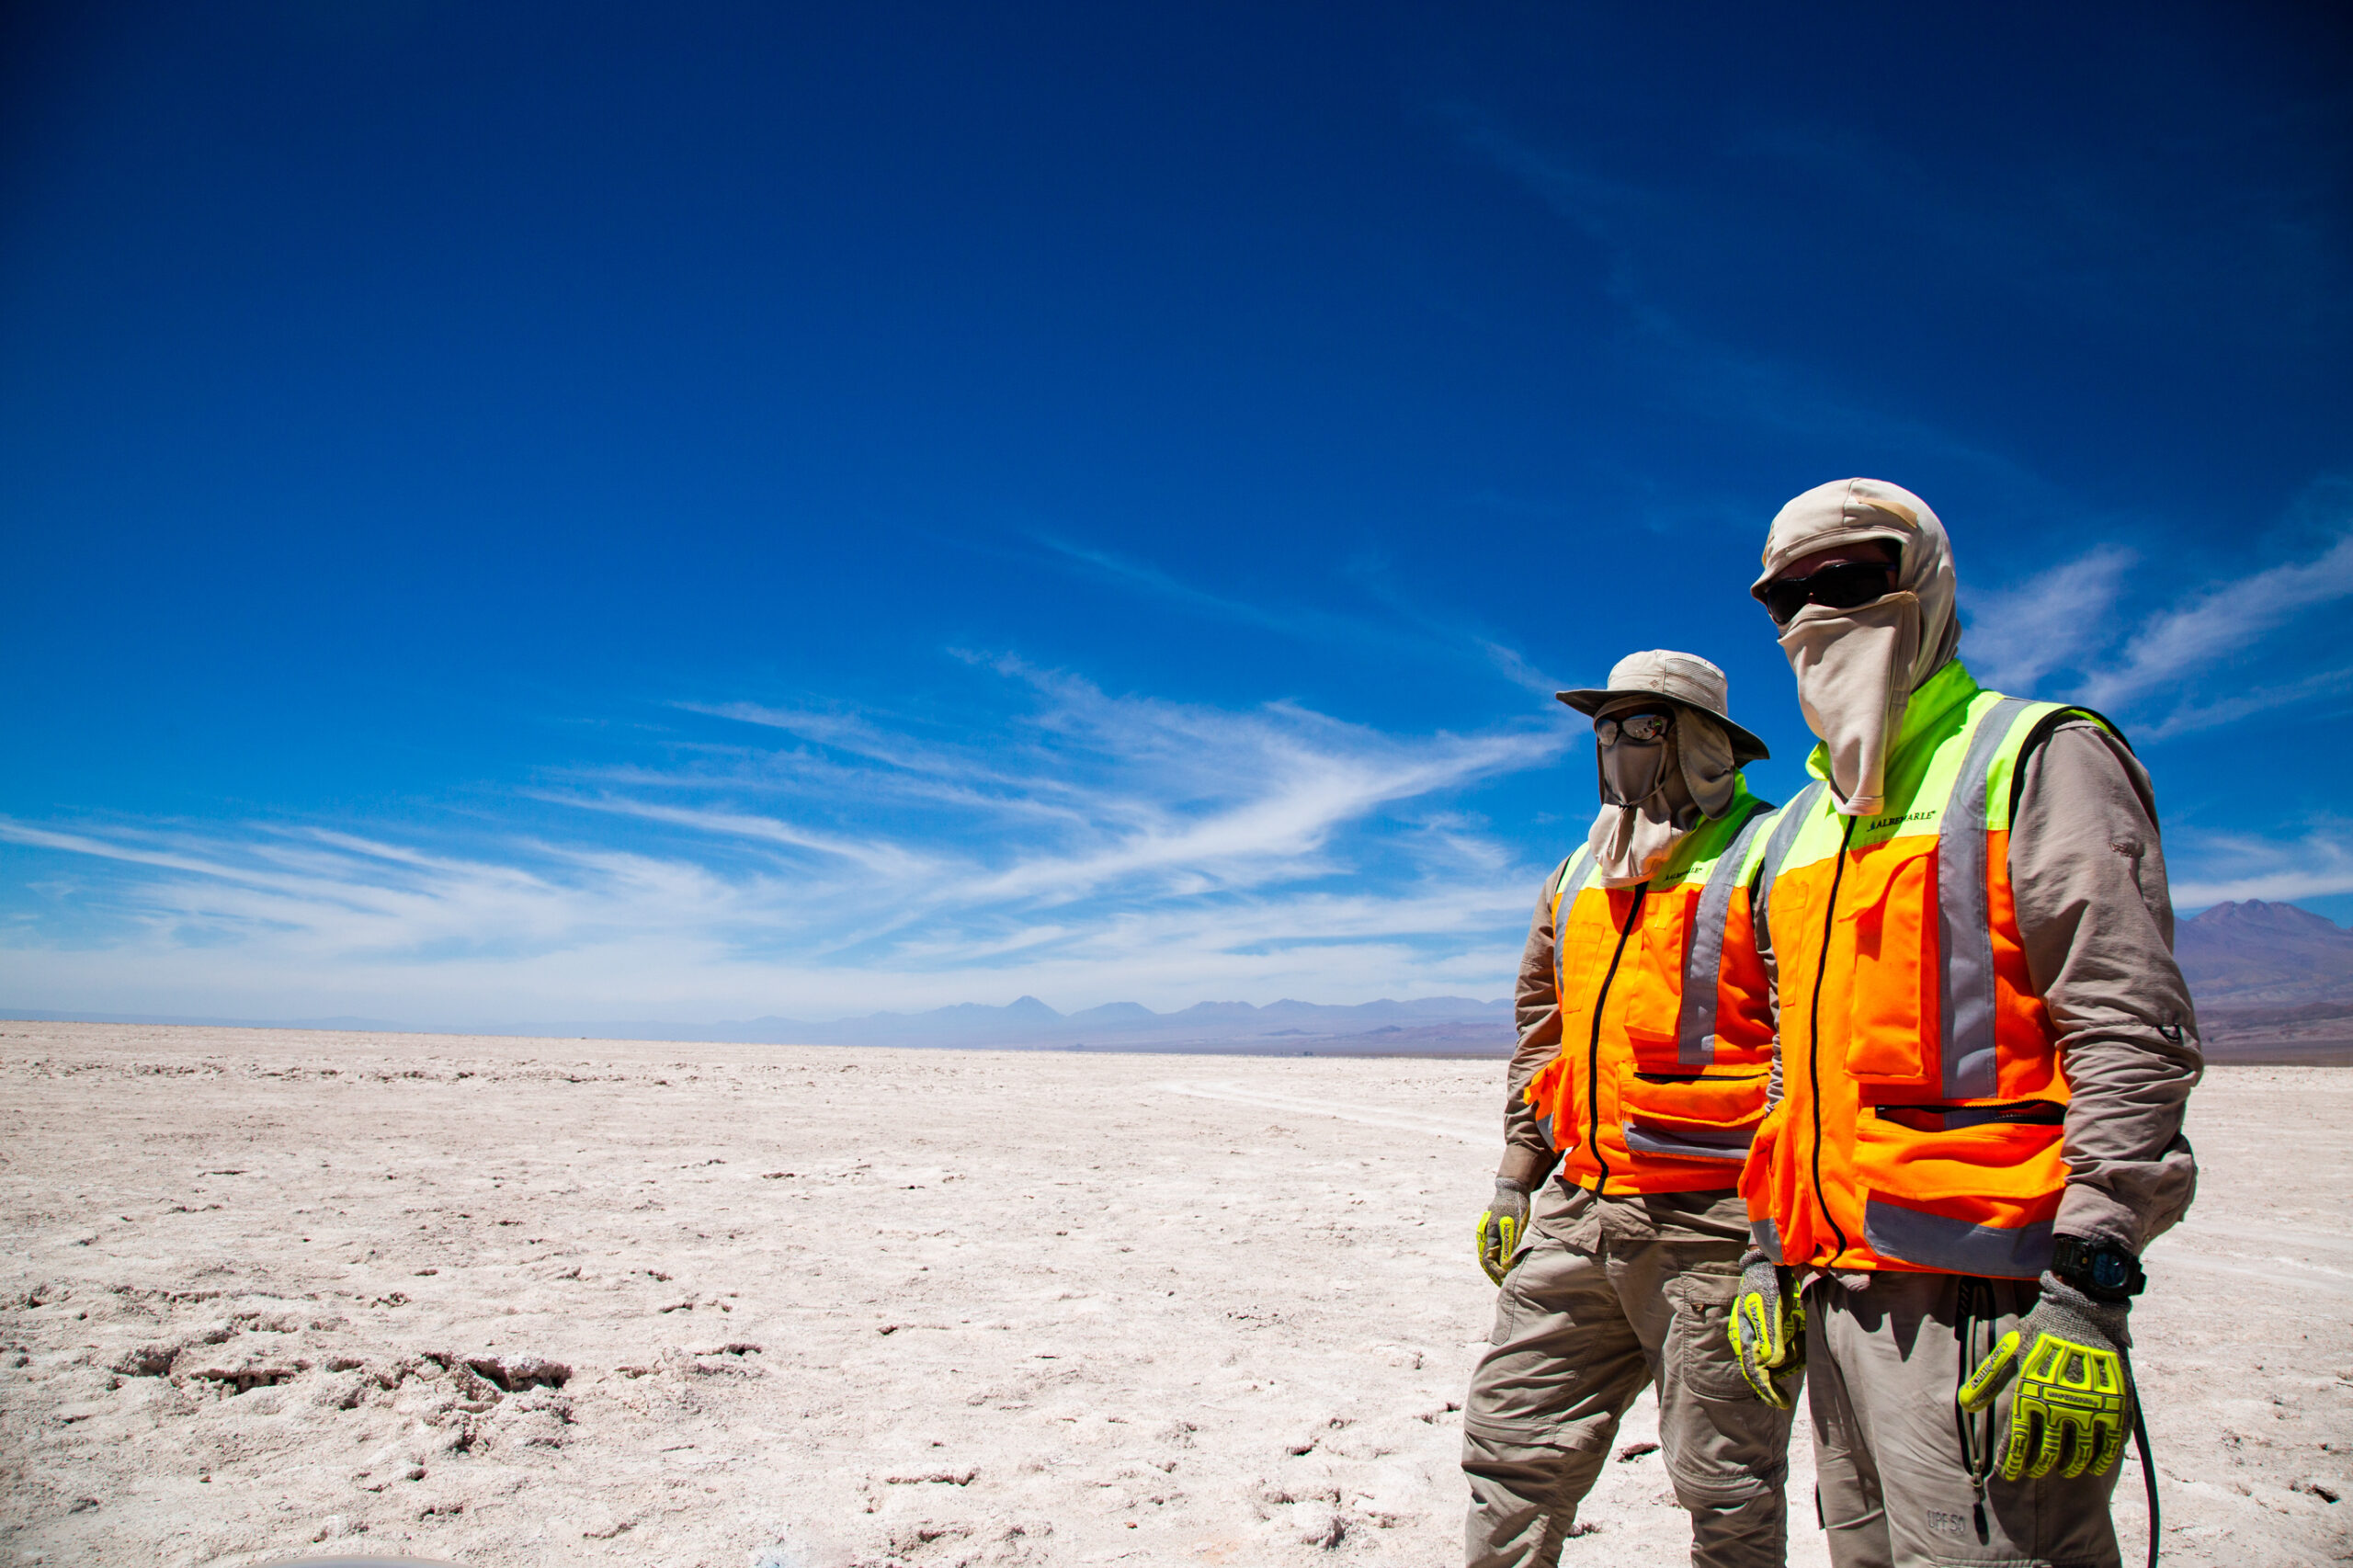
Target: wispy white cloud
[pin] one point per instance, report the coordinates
(2176, 670)
(2189, 717)
(886, 860)
(2018, 635)
(2222, 620)
(1089, 848)
(1142, 577)
(1409, 630)
(2218, 867)
(1519, 672)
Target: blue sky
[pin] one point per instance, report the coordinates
(584, 511)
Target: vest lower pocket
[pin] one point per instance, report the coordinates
(1974, 1199)
(1697, 1116)
(1551, 1098)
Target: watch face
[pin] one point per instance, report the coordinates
(2107, 1271)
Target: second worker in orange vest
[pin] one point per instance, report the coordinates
(1985, 1049)
(1645, 1048)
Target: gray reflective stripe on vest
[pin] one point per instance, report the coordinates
(1723, 1144)
(1777, 849)
(1965, 917)
(1955, 1246)
(1565, 892)
(1694, 1029)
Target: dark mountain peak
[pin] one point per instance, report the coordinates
(1203, 1011)
(2259, 952)
(1289, 1008)
(1020, 1009)
(1115, 1012)
(2254, 915)
(1454, 1006)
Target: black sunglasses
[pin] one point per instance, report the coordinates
(1643, 729)
(1847, 587)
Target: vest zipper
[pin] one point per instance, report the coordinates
(1593, 1048)
(1813, 1031)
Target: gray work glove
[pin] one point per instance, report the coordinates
(2073, 1384)
(1501, 1225)
(1767, 1329)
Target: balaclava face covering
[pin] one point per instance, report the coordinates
(1643, 817)
(1857, 669)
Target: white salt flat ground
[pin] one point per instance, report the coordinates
(825, 1307)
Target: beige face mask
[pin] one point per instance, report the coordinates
(1635, 830)
(1857, 669)
(1854, 669)
(1642, 816)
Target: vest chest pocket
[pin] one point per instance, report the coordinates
(1584, 937)
(1886, 915)
(1649, 988)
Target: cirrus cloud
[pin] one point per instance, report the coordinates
(808, 862)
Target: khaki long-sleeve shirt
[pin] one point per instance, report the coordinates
(2088, 877)
(1529, 1156)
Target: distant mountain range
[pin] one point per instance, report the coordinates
(1433, 1026)
(2273, 982)
(1448, 1024)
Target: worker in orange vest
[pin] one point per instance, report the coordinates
(1645, 1045)
(1985, 1048)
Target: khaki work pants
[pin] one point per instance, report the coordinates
(1582, 1324)
(1882, 1365)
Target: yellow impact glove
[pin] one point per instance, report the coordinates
(1768, 1330)
(2074, 1395)
(1501, 1225)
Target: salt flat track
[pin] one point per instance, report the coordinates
(830, 1306)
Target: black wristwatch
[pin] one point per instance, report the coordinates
(2101, 1270)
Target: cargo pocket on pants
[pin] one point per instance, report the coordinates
(1699, 1352)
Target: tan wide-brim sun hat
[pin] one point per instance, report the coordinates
(1685, 678)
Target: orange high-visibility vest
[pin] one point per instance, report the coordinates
(1666, 1035)
(1923, 1106)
